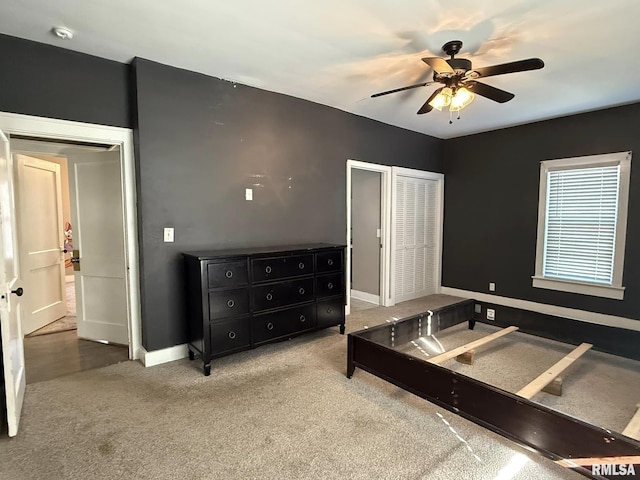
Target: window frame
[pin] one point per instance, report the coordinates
(615, 290)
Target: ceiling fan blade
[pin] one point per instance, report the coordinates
(440, 65)
(426, 108)
(492, 93)
(400, 89)
(512, 67)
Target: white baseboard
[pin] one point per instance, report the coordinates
(157, 357)
(365, 297)
(554, 310)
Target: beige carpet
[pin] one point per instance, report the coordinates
(282, 411)
(66, 323)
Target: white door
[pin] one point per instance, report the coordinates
(95, 187)
(41, 239)
(416, 219)
(10, 322)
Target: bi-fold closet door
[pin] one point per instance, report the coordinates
(417, 231)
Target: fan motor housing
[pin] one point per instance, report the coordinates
(460, 63)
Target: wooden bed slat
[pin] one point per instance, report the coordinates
(633, 428)
(547, 377)
(471, 345)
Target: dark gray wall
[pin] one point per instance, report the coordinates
(491, 205)
(201, 141)
(52, 82)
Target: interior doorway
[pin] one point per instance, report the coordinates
(89, 175)
(398, 213)
(60, 338)
(368, 234)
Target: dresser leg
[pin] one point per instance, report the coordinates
(207, 369)
(192, 355)
(472, 323)
(342, 329)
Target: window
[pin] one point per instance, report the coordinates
(582, 223)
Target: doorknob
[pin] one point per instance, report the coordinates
(18, 291)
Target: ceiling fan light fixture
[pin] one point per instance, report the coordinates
(443, 99)
(461, 99)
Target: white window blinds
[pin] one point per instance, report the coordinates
(580, 230)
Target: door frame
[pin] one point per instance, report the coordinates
(412, 173)
(53, 129)
(385, 229)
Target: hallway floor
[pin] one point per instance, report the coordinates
(58, 354)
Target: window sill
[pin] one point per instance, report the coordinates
(583, 288)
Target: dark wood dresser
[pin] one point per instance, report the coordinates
(240, 299)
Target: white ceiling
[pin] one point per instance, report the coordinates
(338, 52)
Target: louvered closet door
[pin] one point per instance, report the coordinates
(416, 228)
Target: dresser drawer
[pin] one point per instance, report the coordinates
(228, 303)
(330, 261)
(275, 268)
(269, 326)
(280, 294)
(329, 285)
(230, 335)
(227, 274)
(330, 312)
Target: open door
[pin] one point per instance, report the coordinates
(95, 188)
(10, 293)
(41, 241)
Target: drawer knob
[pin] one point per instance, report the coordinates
(329, 310)
(269, 297)
(231, 303)
(301, 266)
(232, 335)
(228, 274)
(269, 326)
(301, 291)
(302, 318)
(330, 262)
(267, 269)
(330, 286)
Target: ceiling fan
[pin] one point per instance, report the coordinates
(459, 80)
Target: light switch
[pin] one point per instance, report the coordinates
(168, 234)
(248, 194)
(378, 233)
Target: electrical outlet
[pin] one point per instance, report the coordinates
(492, 287)
(168, 234)
(248, 194)
(491, 314)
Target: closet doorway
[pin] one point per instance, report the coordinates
(394, 234)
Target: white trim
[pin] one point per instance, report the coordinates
(385, 228)
(69, 278)
(157, 357)
(365, 297)
(439, 178)
(53, 129)
(583, 288)
(615, 290)
(554, 310)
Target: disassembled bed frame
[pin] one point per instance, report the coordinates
(569, 441)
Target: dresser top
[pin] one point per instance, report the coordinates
(207, 254)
